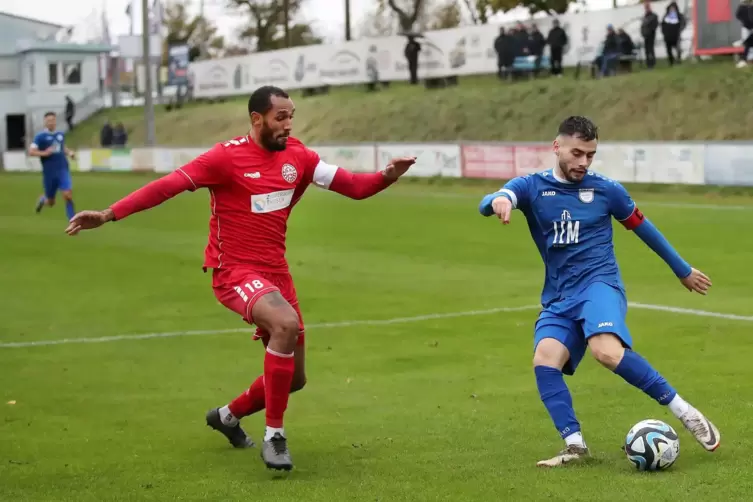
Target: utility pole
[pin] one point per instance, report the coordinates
(286, 13)
(151, 133)
(347, 20)
(203, 44)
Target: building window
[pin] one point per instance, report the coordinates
(72, 73)
(53, 73)
(31, 75)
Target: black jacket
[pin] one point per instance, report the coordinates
(744, 14)
(649, 25)
(557, 38)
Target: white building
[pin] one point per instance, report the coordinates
(37, 73)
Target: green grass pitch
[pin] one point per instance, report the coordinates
(439, 408)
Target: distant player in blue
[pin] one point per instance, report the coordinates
(49, 145)
(569, 210)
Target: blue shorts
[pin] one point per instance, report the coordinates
(56, 180)
(600, 308)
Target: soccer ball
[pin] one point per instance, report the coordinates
(652, 445)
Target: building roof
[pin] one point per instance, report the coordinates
(44, 46)
(32, 20)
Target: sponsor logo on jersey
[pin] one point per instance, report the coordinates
(606, 325)
(254, 175)
(548, 193)
(270, 202)
(586, 195)
(289, 173)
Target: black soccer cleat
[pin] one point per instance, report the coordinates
(275, 453)
(236, 435)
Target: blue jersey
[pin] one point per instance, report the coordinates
(571, 224)
(57, 161)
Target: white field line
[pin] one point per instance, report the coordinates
(346, 324)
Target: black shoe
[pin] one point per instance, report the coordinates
(275, 453)
(235, 435)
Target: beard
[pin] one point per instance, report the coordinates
(270, 141)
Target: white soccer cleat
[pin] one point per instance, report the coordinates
(702, 429)
(570, 455)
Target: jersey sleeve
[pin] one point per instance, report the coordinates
(39, 142)
(517, 190)
(208, 169)
(622, 206)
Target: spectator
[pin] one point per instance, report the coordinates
(557, 40)
(522, 41)
(649, 25)
(744, 14)
(536, 44)
(70, 112)
(611, 51)
(504, 46)
(106, 134)
(627, 47)
(412, 48)
(119, 136)
(671, 26)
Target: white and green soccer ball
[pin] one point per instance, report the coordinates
(652, 445)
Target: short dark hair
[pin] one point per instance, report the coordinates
(261, 99)
(579, 127)
(49, 114)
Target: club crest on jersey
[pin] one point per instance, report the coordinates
(586, 195)
(289, 173)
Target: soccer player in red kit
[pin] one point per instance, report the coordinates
(254, 182)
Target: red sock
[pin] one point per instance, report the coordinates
(249, 402)
(278, 376)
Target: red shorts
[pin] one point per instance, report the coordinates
(239, 289)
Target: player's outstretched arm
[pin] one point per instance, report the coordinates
(204, 171)
(502, 202)
(359, 186)
(146, 197)
(628, 214)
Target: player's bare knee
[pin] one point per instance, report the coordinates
(607, 349)
(284, 330)
(50, 202)
(550, 352)
(68, 195)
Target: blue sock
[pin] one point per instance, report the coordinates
(69, 211)
(639, 373)
(557, 399)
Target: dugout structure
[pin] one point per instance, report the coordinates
(716, 28)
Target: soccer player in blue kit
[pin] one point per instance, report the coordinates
(49, 145)
(569, 210)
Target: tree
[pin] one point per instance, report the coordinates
(195, 31)
(380, 22)
(551, 7)
(267, 24)
(446, 16)
(408, 12)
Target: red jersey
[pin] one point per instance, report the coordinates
(253, 191)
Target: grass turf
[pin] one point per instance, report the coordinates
(440, 409)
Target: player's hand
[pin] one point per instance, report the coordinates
(697, 281)
(502, 208)
(86, 220)
(397, 167)
(49, 151)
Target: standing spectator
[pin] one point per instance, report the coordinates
(412, 48)
(70, 112)
(504, 46)
(649, 25)
(671, 26)
(106, 134)
(522, 41)
(744, 14)
(611, 51)
(557, 40)
(119, 136)
(537, 42)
